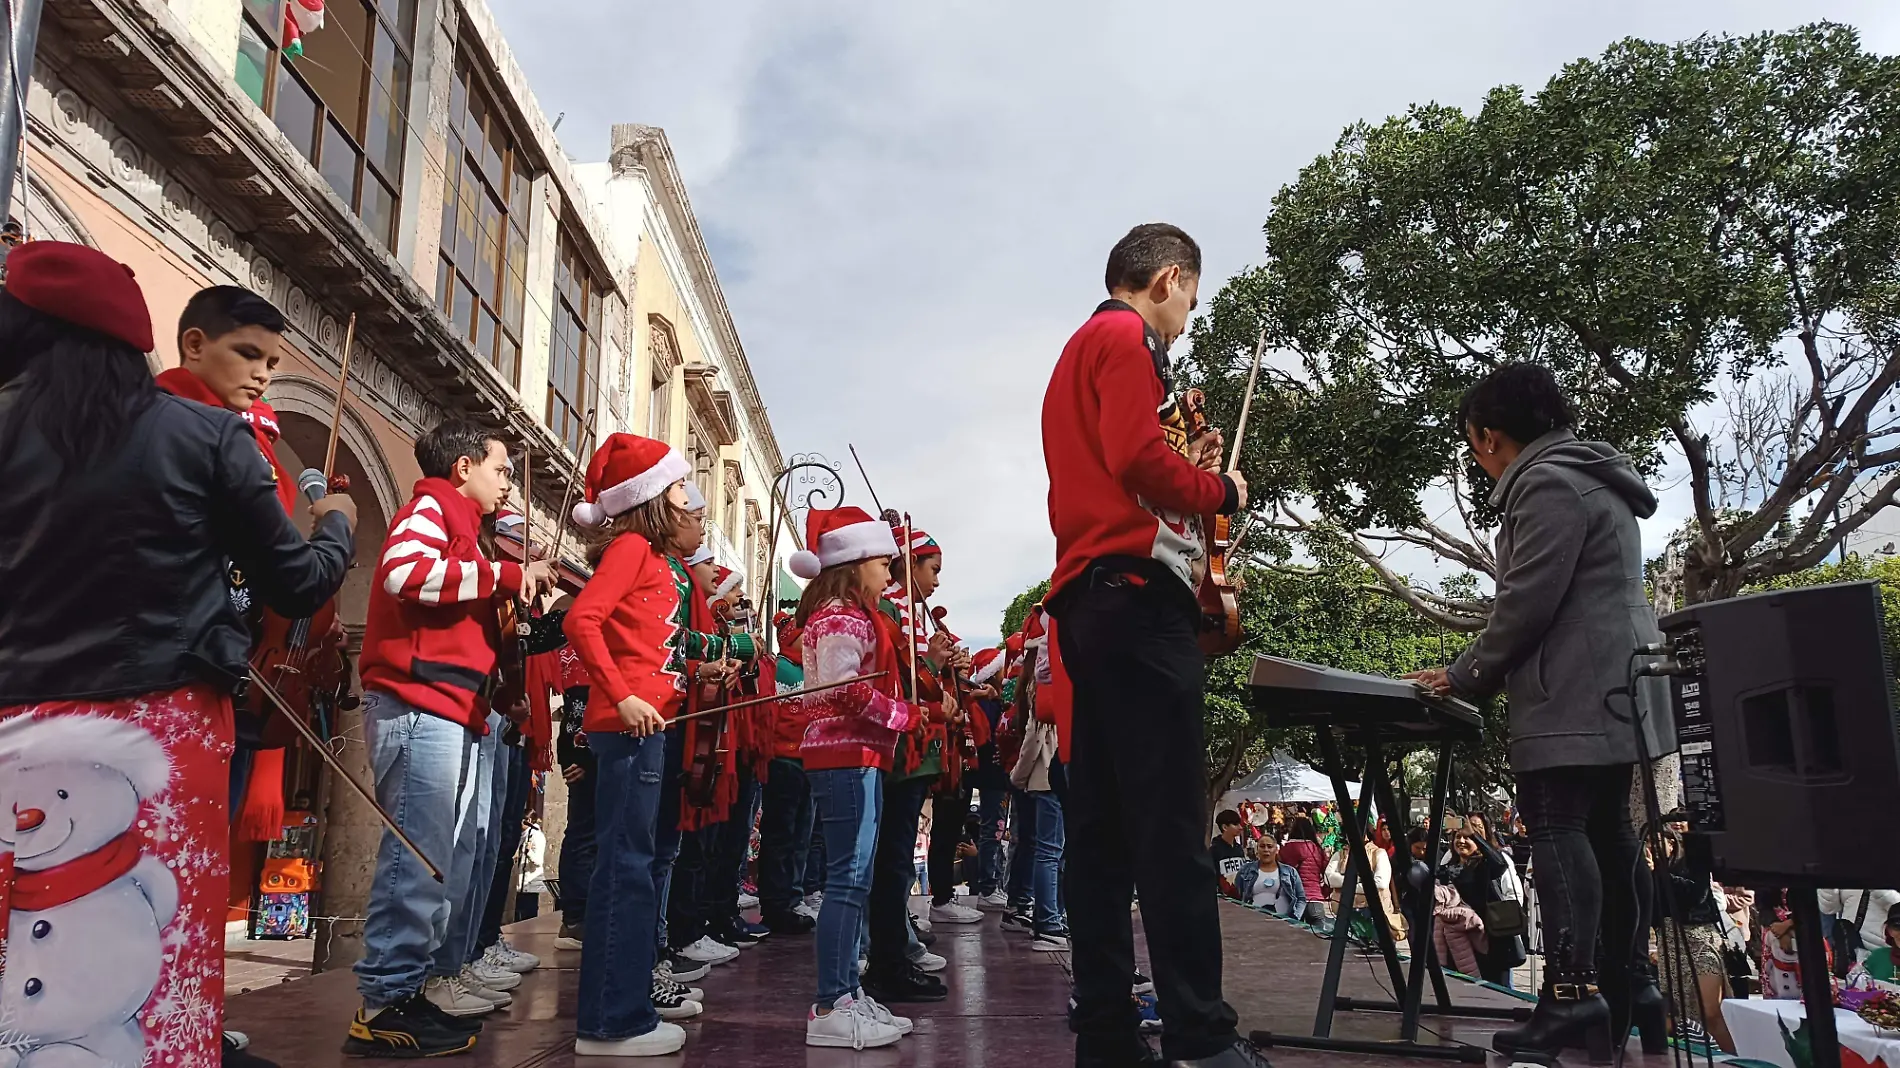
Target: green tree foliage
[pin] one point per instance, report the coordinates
(1018, 609)
(1664, 226)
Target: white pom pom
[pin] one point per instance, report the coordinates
(588, 514)
(805, 564)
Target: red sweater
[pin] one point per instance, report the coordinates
(622, 627)
(1116, 488)
(426, 640)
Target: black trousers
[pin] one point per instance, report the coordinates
(893, 870)
(1136, 815)
(1591, 879)
(725, 868)
(785, 820)
(948, 813)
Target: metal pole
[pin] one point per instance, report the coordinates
(23, 36)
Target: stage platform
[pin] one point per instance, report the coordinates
(1007, 1007)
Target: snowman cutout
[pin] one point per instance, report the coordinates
(87, 904)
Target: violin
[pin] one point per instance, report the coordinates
(1219, 600)
(958, 684)
(306, 659)
(704, 760)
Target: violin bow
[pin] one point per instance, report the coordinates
(875, 503)
(1246, 402)
(910, 606)
(336, 415)
(787, 695)
(573, 481)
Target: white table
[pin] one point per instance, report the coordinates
(1756, 1025)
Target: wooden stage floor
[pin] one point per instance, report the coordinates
(1007, 1007)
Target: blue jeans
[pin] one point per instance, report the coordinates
(514, 764)
(617, 955)
(666, 835)
(1046, 865)
(846, 801)
(465, 914)
(577, 847)
(785, 827)
(424, 769)
(815, 857)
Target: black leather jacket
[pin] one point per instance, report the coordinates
(115, 580)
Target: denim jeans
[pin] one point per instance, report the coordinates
(666, 834)
(424, 771)
(617, 956)
(815, 858)
(785, 829)
(725, 862)
(577, 847)
(894, 872)
(992, 786)
(514, 808)
(465, 914)
(1589, 867)
(1022, 854)
(1046, 866)
(846, 801)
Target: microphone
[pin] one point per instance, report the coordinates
(313, 484)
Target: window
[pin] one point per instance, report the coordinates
(574, 357)
(343, 102)
(731, 511)
(662, 356)
(482, 280)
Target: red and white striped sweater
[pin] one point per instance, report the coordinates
(427, 639)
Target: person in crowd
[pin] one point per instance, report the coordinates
(1880, 963)
(1226, 851)
(1033, 777)
(785, 815)
(427, 657)
(847, 750)
(578, 848)
(1689, 933)
(531, 881)
(1559, 638)
(1303, 851)
(1457, 931)
(1857, 917)
(121, 640)
(1480, 873)
(991, 783)
(625, 626)
(1269, 883)
(1381, 866)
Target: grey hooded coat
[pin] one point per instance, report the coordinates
(1570, 609)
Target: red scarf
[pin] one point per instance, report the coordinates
(37, 891)
(261, 417)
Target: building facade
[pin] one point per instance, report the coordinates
(395, 184)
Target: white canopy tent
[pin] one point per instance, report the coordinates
(1282, 779)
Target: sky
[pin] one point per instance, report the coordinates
(909, 205)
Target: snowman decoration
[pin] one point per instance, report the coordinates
(87, 905)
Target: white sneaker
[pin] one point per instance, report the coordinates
(493, 976)
(884, 1015)
(922, 923)
(448, 994)
(815, 900)
(473, 983)
(748, 901)
(929, 962)
(237, 1040)
(863, 965)
(513, 959)
(802, 909)
(994, 901)
(851, 1024)
(707, 951)
(662, 1040)
(951, 912)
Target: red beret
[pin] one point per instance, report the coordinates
(83, 286)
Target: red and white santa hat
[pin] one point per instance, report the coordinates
(836, 536)
(627, 471)
(724, 579)
(985, 665)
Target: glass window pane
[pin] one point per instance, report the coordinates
(518, 189)
(514, 291)
(295, 112)
(450, 197)
(508, 354)
(333, 61)
(253, 60)
(492, 148)
(405, 18)
(268, 13)
(389, 95)
(467, 220)
(477, 116)
(445, 286)
(338, 164)
(458, 99)
(379, 209)
(488, 254)
(465, 308)
(483, 336)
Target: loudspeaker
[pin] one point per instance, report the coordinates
(1785, 713)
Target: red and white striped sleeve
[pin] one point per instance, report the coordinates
(415, 565)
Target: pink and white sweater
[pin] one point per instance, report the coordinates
(855, 726)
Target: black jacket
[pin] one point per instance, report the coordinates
(117, 579)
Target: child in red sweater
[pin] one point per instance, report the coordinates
(622, 626)
(847, 751)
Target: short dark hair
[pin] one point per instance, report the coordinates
(1148, 250)
(1227, 818)
(1521, 400)
(449, 441)
(219, 310)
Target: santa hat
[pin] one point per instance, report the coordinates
(119, 744)
(83, 286)
(724, 579)
(627, 471)
(701, 555)
(1032, 628)
(509, 522)
(836, 536)
(985, 665)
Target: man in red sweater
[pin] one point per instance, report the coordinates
(1128, 495)
(426, 668)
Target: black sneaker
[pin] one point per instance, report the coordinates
(570, 936)
(729, 934)
(235, 1055)
(419, 1005)
(402, 1030)
(1018, 920)
(1143, 984)
(905, 983)
(686, 969)
(789, 923)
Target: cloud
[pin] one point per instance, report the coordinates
(910, 204)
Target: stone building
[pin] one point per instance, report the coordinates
(399, 171)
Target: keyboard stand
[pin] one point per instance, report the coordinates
(1352, 820)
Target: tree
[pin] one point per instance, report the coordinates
(1661, 226)
(1018, 609)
